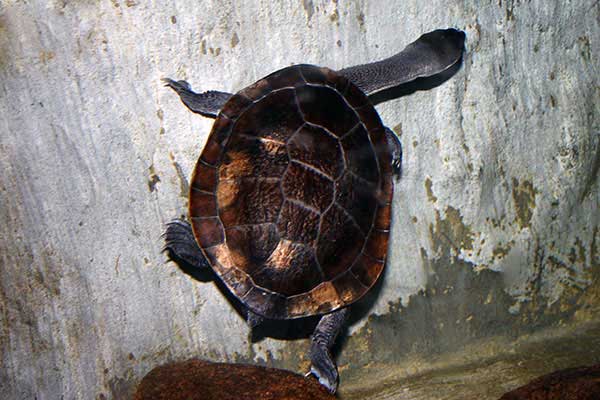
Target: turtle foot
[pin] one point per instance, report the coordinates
(396, 151)
(180, 245)
(322, 340)
(323, 368)
(207, 104)
(397, 167)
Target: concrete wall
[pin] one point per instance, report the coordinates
(495, 220)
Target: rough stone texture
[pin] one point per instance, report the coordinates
(569, 384)
(201, 380)
(495, 225)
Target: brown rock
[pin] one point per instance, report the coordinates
(568, 384)
(197, 379)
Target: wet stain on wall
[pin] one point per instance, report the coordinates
(235, 40)
(308, 8)
(523, 194)
(428, 190)
(183, 182)
(153, 179)
(450, 230)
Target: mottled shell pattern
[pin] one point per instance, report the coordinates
(290, 200)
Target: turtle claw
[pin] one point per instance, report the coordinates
(176, 85)
(207, 104)
(397, 168)
(329, 381)
(396, 152)
(324, 370)
(181, 245)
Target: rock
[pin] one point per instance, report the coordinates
(198, 379)
(568, 384)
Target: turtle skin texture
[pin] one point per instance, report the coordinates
(290, 200)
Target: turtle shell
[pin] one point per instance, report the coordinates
(290, 199)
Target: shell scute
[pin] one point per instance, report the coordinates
(316, 147)
(306, 186)
(323, 106)
(360, 155)
(290, 269)
(340, 242)
(298, 224)
(274, 117)
(249, 201)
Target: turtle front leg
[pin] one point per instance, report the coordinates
(181, 245)
(396, 150)
(207, 104)
(322, 340)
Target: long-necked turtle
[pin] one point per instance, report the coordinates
(290, 200)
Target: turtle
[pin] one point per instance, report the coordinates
(290, 200)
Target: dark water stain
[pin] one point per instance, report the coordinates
(510, 6)
(183, 182)
(501, 251)
(523, 194)
(335, 17)
(153, 179)
(122, 387)
(451, 231)
(4, 40)
(308, 8)
(428, 190)
(361, 21)
(235, 40)
(592, 178)
(585, 48)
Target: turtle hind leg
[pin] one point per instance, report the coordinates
(182, 248)
(322, 340)
(396, 151)
(207, 104)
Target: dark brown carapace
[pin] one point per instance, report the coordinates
(290, 200)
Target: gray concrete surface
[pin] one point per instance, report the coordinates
(495, 229)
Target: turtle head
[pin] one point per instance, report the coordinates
(445, 43)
